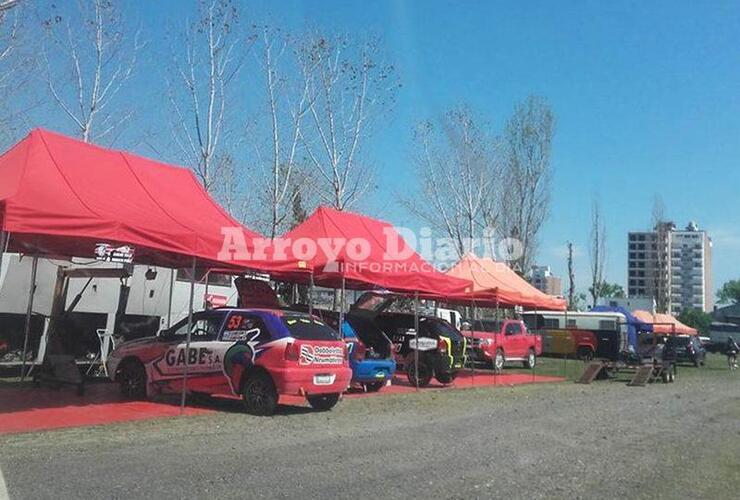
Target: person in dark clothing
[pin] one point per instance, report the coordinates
(731, 350)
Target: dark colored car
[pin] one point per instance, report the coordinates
(687, 348)
(440, 346)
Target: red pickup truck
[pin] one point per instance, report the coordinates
(496, 342)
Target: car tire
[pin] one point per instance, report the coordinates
(374, 386)
(585, 354)
(323, 402)
(531, 361)
(132, 380)
(425, 374)
(498, 361)
(445, 378)
(259, 394)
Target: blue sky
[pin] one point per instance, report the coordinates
(646, 96)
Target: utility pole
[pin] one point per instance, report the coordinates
(571, 277)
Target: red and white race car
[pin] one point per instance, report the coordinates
(256, 353)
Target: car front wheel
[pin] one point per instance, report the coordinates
(323, 402)
(531, 360)
(499, 360)
(374, 386)
(422, 376)
(259, 395)
(446, 378)
(132, 380)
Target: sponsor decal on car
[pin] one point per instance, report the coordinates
(423, 343)
(198, 359)
(239, 335)
(321, 355)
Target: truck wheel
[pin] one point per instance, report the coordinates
(445, 378)
(585, 354)
(132, 380)
(424, 374)
(499, 360)
(374, 386)
(323, 402)
(531, 360)
(259, 394)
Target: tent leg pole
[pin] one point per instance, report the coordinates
(495, 368)
(29, 312)
(472, 330)
(184, 391)
(4, 242)
(205, 293)
(575, 356)
(169, 301)
(310, 294)
(341, 308)
(416, 332)
(3, 236)
(534, 368)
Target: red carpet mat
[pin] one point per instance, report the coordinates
(27, 409)
(465, 380)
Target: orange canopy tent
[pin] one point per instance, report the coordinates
(496, 283)
(664, 323)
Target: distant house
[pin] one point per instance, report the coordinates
(727, 314)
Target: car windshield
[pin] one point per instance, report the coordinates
(487, 325)
(306, 328)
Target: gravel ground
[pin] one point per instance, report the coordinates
(541, 441)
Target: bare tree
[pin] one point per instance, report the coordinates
(525, 201)
(6, 5)
(101, 58)
(597, 252)
(12, 66)
(571, 279)
(199, 95)
(288, 84)
(459, 176)
(350, 90)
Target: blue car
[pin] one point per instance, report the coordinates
(370, 354)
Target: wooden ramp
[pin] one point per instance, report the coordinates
(643, 376)
(591, 372)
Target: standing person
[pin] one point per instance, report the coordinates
(731, 351)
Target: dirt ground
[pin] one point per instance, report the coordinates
(561, 440)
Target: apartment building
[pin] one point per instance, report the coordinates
(671, 266)
(541, 277)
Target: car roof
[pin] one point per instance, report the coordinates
(275, 312)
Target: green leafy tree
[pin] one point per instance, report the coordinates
(605, 289)
(696, 318)
(730, 292)
(579, 302)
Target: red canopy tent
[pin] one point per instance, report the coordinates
(496, 283)
(664, 323)
(365, 253)
(60, 197)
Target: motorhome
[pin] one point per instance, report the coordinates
(152, 298)
(584, 335)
